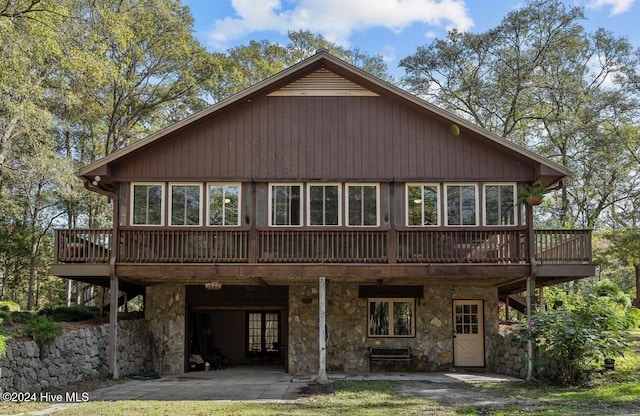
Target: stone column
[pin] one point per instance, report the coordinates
(165, 314)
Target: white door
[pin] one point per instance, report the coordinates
(468, 333)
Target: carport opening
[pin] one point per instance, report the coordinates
(236, 326)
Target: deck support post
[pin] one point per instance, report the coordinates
(531, 287)
(113, 328)
(322, 340)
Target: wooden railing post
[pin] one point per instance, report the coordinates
(254, 245)
(392, 238)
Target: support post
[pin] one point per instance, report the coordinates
(322, 339)
(69, 292)
(531, 286)
(506, 308)
(113, 328)
(530, 303)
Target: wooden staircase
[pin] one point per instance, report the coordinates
(516, 302)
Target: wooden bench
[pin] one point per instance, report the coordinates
(389, 354)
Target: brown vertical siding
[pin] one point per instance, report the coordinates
(332, 138)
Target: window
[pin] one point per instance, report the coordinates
(362, 205)
(286, 205)
(391, 317)
(224, 204)
(467, 319)
(499, 206)
(423, 206)
(147, 207)
(462, 205)
(324, 204)
(264, 335)
(185, 204)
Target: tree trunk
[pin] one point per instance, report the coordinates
(636, 303)
(32, 277)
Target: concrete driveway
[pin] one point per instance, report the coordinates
(258, 383)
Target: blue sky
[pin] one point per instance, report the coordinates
(391, 28)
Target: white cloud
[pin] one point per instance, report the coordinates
(336, 20)
(617, 6)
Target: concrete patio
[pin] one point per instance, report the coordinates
(260, 383)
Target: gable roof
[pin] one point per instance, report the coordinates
(324, 74)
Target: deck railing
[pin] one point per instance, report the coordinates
(82, 245)
(499, 245)
(183, 246)
(462, 246)
(310, 246)
(563, 246)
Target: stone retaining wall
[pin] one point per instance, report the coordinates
(77, 355)
(509, 358)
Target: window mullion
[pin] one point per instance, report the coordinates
(185, 203)
(146, 205)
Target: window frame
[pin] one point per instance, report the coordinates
(170, 203)
(346, 204)
(208, 210)
(162, 203)
(265, 348)
(514, 205)
(270, 203)
(391, 301)
(308, 203)
(476, 204)
(438, 203)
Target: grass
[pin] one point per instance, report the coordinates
(348, 398)
(375, 398)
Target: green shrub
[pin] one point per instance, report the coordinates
(3, 344)
(9, 306)
(21, 317)
(70, 314)
(571, 340)
(42, 330)
(633, 317)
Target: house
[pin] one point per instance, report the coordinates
(317, 214)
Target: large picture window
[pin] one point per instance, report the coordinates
(423, 206)
(185, 204)
(324, 202)
(462, 206)
(362, 205)
(286, 205)
(224, 204)
(147, 206)
(391, 317)
(499, 204)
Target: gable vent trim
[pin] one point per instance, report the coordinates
(323, 83)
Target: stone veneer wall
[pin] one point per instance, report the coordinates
(74, 356)
(165, 314)
(347, 341)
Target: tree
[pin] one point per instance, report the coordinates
(625, 244)
(119, 70)
(129, 67)
(25, 137)
(540, 80)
